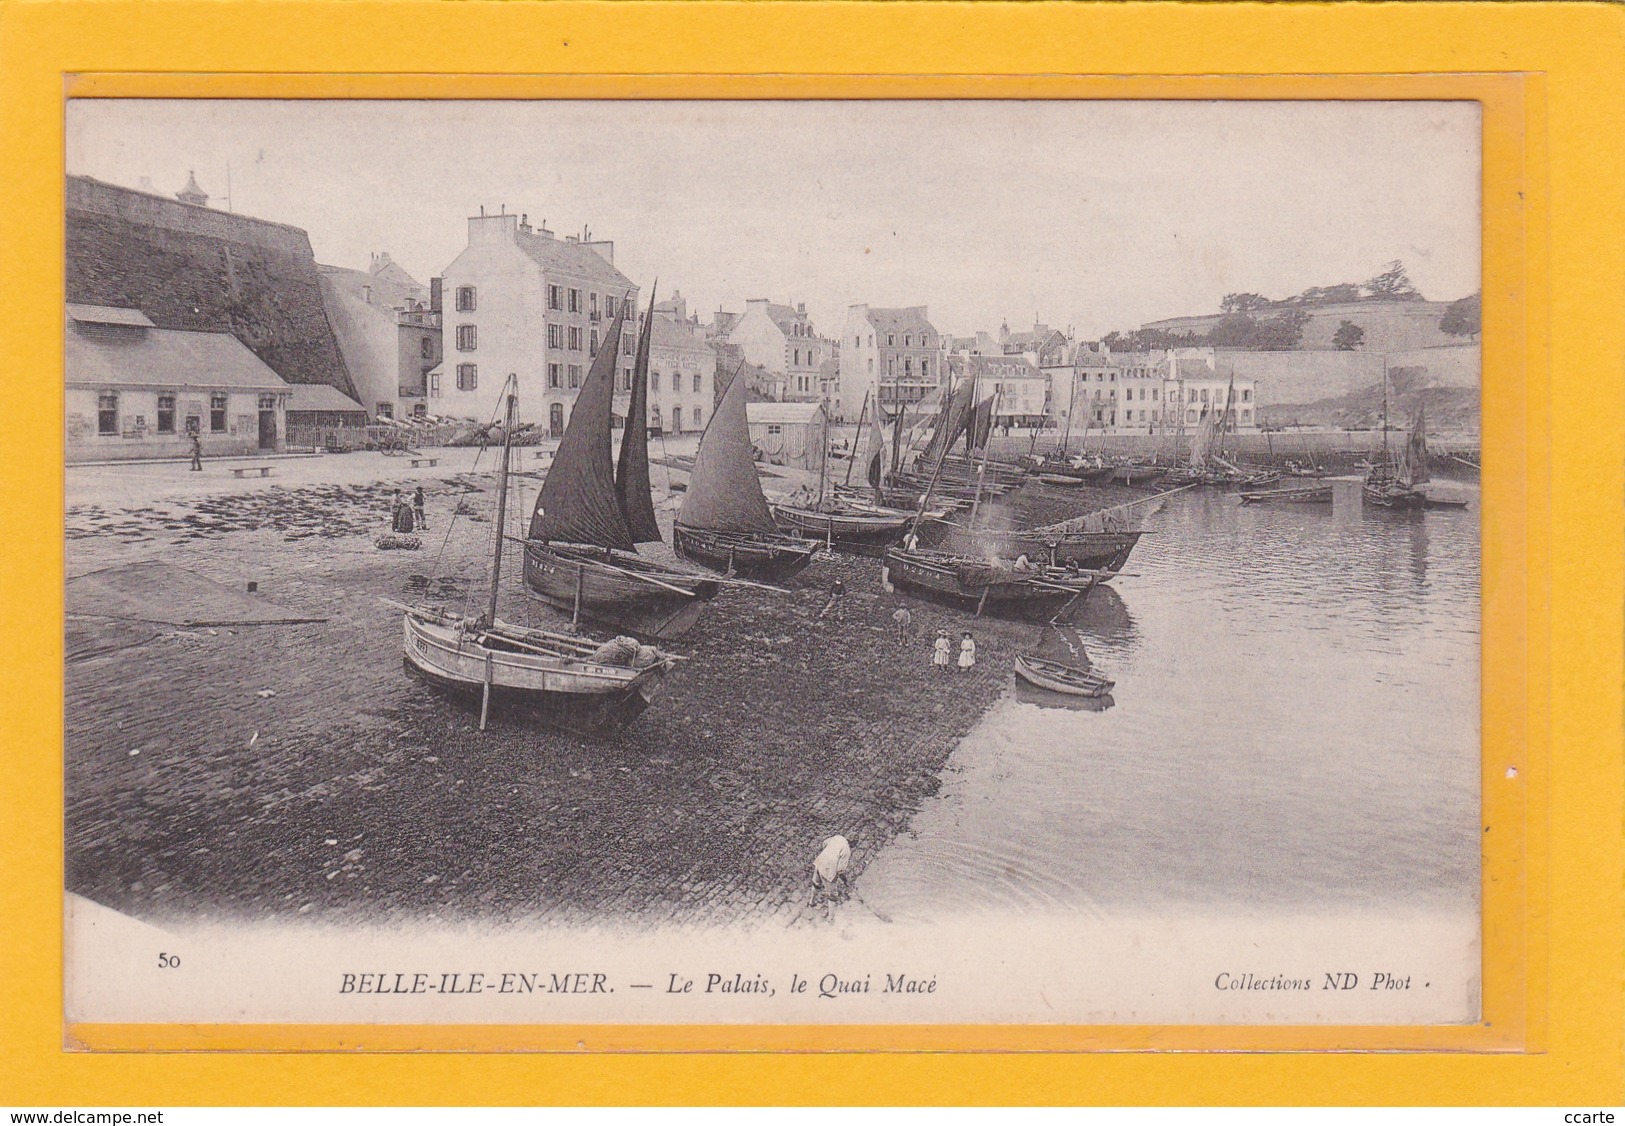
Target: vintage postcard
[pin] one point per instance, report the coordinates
(761, 562)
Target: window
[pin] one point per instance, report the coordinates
(908, 368)
(609, 305)
(628, 342)
(891, 340)
(797, 361)
(555, 297)
(908, 340)
(857, 342)
(925, 368)
(626, 379)
(553, 377)
(698, 421)
(891, 365)
(267, 402)
(555, 336)
(465, 299)
(1153, 394)
(107, 412)
(467, 338)
(654, 381)
(468, 377)
(1204, 394)
(676, 419)
(385, 410)
(676, 383)
(1246, 395)
(166, 414)
(575, 301)
(419, 410)
(575, 336)
(592, 344)
(426, 347)
(434, 385)
(774, 428)
(575, 375)
(696, 383)
(217, 413)
(592, 305)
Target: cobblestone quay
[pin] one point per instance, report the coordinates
(296, 770)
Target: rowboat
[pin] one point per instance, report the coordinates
(1091, 551)
(1056, 676)
(1315, 494)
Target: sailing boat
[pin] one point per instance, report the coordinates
(725, 523)
(1391, 482)
(844, 522)
(975, 580)
(581, 553)
(569, 681)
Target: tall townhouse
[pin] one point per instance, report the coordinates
(782, 340)
(895, 354)
(519, 299)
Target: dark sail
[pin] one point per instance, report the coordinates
(877, 452)
(955, 420)
(632, 471)
(976, 435)
(724, 493)
(578, 502)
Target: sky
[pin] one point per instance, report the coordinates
(1093, 215)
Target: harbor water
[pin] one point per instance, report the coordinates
(1295, 726)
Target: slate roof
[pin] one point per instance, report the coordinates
(782, 414)
(167, 358)
(911, 319)
(320, 397)
(574, 259)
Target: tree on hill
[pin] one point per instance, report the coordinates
(1281, 333)
(1243, 302)
(1393, 284)
(1329, 294)
(1348, 336)
(1462, 318)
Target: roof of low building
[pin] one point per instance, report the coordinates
(107, 315)
(320, 397)
(782, 414)
(169, 358)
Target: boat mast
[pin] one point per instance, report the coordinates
(863, 412)
(502, 496)
(981, 468)
(1385, 458)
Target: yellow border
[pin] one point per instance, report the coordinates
(1550, 134)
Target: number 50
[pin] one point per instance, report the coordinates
(168, 961)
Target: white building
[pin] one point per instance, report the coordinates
(782, 340)
(790, 434)
(520, 300)
(1020, 392)
(1194, 384)
(682, 377)
(893, 354)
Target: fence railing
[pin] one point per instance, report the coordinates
(344, 439)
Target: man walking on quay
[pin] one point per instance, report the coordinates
(417, 507)
(197, 453)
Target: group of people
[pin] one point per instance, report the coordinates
(943, 649)
(408, 516)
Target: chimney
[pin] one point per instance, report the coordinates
(434, 295)
(366, 294)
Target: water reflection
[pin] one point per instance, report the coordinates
(1296, 724)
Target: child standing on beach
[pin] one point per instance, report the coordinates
(967, 653)
(939, 656)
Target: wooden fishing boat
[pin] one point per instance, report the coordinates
(725, 523)
(581, 551)
(564, 680)
(845, 527)
(977, 584)
(1056, 676)
(1392, 482)
(1105, 551)
(1443, 502)
(1060, 480)
(1138, 474)
(1314, 494)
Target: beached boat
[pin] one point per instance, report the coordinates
(1067, 679)
(983, 586)
(843, 521)
(1088, 550)
(581, 551)
(725, 522)
(565, 680)
(1314, 494)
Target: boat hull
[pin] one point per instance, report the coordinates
(942, 577)
(1318, 495)
(1092, 551)
(596, 584)
(1055, 677)
(574, 694)
(856, 533)
(757, 556)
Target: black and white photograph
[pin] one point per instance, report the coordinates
(772, 562)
